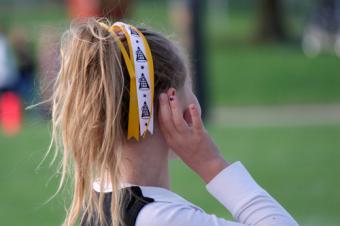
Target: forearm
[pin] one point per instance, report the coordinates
(246, 200)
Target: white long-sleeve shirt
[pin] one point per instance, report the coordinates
(233, 187)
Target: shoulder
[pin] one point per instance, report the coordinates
(177, 214)
(166, 214)
(169, 209)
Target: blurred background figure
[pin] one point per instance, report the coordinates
(181, 20)
(48, 43)
(8, 67)
(10, 112)
(49, 39)
(111, 9)
(188, 19)
(10, 103)
(323, 29)
(26, 64)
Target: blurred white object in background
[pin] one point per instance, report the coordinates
(337, 45)
(312, 41)
(8, 71)
(322, 33)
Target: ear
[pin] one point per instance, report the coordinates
(180, 97)
(171, 92)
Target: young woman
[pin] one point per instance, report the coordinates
(120, 180)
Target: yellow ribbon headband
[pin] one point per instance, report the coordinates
(139, 63)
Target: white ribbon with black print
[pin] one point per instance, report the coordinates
(143, 82)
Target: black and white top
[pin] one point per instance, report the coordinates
(233, 187)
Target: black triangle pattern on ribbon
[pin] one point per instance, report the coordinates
(145, 111)
(133, 32)
(140, 57)
(143, 83)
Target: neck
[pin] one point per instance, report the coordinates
(145, 162)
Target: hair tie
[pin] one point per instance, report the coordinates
(139, 64)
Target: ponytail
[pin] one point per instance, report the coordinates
(86, 114)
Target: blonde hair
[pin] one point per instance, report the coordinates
(90, 108)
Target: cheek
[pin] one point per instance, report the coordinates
(186, 98)
(192, 99)
(195, 101)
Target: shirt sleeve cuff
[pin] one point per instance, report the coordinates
(233, 187)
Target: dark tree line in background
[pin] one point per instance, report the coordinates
(271, 25)
(271, 18)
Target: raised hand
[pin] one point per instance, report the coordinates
(187, 137)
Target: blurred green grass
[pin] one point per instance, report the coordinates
(265, 75)
(296, 165)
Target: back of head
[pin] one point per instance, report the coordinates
(90, 109)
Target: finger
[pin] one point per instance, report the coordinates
(187, 117)
(164, 115)
(196, 118)
(177, 115)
